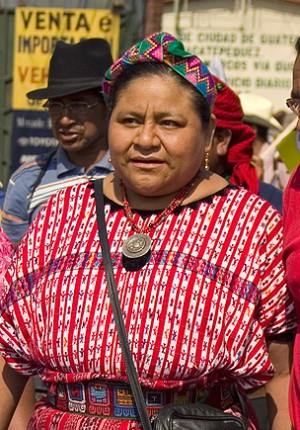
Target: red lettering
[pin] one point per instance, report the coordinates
(22, 73)
(35, 75)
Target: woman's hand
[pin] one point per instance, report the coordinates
(11, 387)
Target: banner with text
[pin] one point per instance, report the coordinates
(32, 135)
(36, 32)
(253, 47)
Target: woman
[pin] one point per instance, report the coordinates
(26, 404)
(201, 301)
(231, 154)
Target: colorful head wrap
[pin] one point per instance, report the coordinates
(162, 48)
(229, 113)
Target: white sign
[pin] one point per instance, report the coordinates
(256, 56)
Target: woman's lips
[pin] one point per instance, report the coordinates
(145, 163)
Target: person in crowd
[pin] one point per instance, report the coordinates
(26, 405)
(197, 263)
(2, 194)
(231, 157)
(258, 112)
(291, 254)
(79, 122)
(6, 252)
(232, 147)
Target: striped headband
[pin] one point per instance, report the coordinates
(162, 48)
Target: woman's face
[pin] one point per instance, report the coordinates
(156, 137)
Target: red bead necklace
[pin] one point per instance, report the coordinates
(175, 203)
(137, 248)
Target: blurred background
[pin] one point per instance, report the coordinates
(247, 43)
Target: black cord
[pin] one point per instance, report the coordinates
(117, 312)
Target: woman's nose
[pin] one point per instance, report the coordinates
(147, 136)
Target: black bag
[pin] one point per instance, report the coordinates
(195, 416)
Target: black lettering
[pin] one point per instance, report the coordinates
(40, 21)
(247, 38)
(82, 22)
(105, 24)
(273, 83)
(227, 38)
(237, 82)
(54, 21)
(277, 39)
(69, 16)
(234, 65)
(44, 45)
(281, 66)
(27, 20)
(184, 36)
(261, 65)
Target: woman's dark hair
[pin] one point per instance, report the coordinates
(142, 70)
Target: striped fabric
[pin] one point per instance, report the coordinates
(43, 192)
(31, 185)
(200, 308)
(6, 251)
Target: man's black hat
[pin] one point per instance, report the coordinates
(75, 67)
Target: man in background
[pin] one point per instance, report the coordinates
(78, 117)
(79, 121)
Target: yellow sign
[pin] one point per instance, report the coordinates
(36, 32)
(289, 150)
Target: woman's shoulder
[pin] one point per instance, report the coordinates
(292, 191)
(246, 204)
(74, 191)
(69, 200)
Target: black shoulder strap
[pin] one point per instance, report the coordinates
(117, 312)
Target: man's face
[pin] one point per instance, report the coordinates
(77, 131)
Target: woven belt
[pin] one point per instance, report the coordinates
(115, 400)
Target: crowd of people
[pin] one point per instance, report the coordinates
(204, 247)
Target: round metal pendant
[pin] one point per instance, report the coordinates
(136, 245)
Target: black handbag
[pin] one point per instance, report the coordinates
(189, 416)
(195, 416)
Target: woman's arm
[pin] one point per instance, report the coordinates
(11, 387)
(25, 407)
(277, 390)
(291, 235)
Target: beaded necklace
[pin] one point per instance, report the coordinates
(139, 244)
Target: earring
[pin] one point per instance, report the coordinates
(206, 165)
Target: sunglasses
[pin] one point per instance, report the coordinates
(294, 105)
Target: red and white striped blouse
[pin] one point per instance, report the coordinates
(203, 306)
